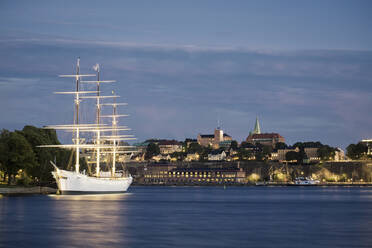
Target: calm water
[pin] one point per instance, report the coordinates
(192, 216)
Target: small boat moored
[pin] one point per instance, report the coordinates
(305, 181)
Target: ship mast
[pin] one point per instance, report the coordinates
(77, 101)
(76, 126)
(114, 133)
(115, 137)
(98, 115)
(98, 121)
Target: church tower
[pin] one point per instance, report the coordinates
(257, 129)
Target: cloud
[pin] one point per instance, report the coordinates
(176, 91)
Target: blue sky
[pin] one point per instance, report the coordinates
(304, 67)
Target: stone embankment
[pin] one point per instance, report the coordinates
(27, 190)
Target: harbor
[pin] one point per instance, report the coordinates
(161, 216)
(178, 124)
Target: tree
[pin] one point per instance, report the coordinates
(308, 144)
(16, 154)
(247, 145)
(267, 150)
(195, 147)
(262, 152)
(178, 155)
(326, 152)
(3, 151)
(38, 136)
(40, 169)
(234, 145)
(298, 144)
(204, 153)
(152, 150)
(292, 155)
(356, 151)
(280, 145)
(41, 173)
(244, 154)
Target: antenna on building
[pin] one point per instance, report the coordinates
(218, 121)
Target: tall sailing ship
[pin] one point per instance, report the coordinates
(104, 146)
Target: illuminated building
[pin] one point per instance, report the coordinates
(168, 174)
(368, 143)
(213, 140)
(169, 146)
(279, 155)
(192, 157)
(312, 153)
(339, 155)
(268, 139)
(217, 155)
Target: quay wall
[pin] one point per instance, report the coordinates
(327, 172)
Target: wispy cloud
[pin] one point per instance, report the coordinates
(175, 91)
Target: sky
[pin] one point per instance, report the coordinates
(303, 67)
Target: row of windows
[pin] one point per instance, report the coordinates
(195, 180)
(191, 176)
(188, 173)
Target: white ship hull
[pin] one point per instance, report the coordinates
(70, 182)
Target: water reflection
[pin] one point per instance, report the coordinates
(90, 220)
(91, 197)
(192, 217)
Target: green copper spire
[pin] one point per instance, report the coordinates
(257, 129)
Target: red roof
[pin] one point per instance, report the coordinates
(265, 136)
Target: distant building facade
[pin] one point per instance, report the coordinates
(192, 157)
(169, 146)
(168, 174)
(213, 140)
(339, 155)
(312, 153)
(280, 154)
(217, 155)
(268, 139)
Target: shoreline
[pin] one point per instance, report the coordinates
(37, 190)
(24, 191)
(260, 185)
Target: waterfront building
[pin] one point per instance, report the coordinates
(168, 174)
(268, 139)
(339, 155)
(157, 171)
(169, 146)
(161, 157)
(217, 155)
(312, 153)
(279, 155)
(213, 140)
(192, 157)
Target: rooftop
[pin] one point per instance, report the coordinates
(265, 136)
